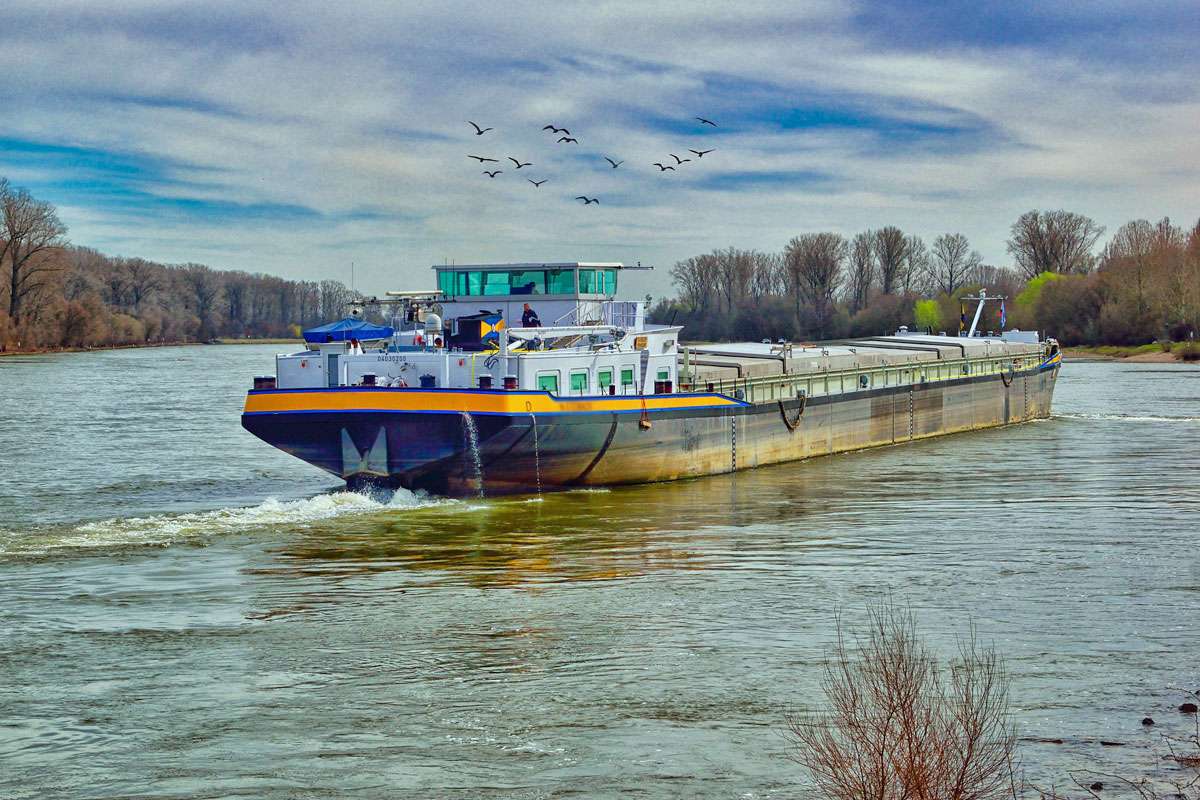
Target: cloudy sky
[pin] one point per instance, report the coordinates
(298, 137)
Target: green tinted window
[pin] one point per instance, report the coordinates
(495, 283)
(560, 281)
(664, 375)
(610, 281)
(588, 281)
(548, 382)
(627, 376)
(446, 283)
(604, 379)
(579, 382)
(528, 282)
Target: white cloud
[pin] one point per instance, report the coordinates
(347, 110)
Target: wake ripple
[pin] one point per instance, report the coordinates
(165, 529)
(1129, 417)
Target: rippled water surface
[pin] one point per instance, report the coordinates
(186, 612)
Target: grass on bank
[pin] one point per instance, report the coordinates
(1181, 351)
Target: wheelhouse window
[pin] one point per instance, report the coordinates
(610, 282)
(560, 281)
(590, 281)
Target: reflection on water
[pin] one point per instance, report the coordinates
(175, 633)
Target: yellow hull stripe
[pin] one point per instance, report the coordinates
(475, 402)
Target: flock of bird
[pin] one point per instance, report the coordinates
(565, 138)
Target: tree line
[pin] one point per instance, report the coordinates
(57, 295)
(1142, 285)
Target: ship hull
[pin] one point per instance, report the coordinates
(461, 442)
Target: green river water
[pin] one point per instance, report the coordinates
(186, 612)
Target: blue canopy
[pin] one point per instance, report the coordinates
(345, 330)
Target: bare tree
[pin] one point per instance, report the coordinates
(901, 725)
(334, 299)
(32, 232)
(768, 276)
(696, 278)
(814, 264)
(143, 279)
(892, 250)
(735, 271)
(861, 275)
(916, 266)
(204, 287)
(1053, 241)
(952, 263)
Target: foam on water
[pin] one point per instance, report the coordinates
(164, 529)
(1129, 417)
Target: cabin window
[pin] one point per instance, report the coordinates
(446, 283)
(527, 282)
(548, 382)
(626, 378)
(495, 283)
(664, 375)
(560, 281)
(589, 281)
(610, 282)
(604, 379)
(579, 381)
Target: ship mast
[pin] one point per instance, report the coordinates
(982, 298)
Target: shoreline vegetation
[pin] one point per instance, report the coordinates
(1141, 288)
(58, 297)
(42, 351)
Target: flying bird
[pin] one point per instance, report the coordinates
(478, 130)
(494, 173)
(481, 159)
(588, 200)
(661, 168)
(615, 164)
(704, 121)
(700, 153)
(519, 163)
(537, 183)
(567, 139)
(678, 160)
(553, 129)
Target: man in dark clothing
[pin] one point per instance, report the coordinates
(529, 319)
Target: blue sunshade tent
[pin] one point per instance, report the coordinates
(346, 329)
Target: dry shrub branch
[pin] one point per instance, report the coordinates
(903, 725)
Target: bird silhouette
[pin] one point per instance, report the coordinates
(678, 160)
(520, 163)
(704, 121)
(553, 129)
(661, 168)
(478, 130)
(537, 183)
(567, 139)
(481, 159)
(700, 153)
(588, 200)
(494, 173)
(615, 164)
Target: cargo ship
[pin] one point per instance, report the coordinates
(518, 378)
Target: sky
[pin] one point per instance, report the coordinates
(299, 138)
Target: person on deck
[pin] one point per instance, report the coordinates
(529, 318)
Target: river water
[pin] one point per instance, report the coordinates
(187, 613)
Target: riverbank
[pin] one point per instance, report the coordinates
(1146, 353)
(41, 351)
